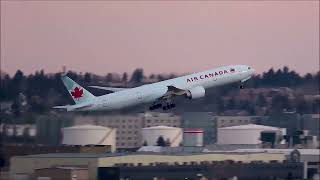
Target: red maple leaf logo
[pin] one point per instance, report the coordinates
(77, 93)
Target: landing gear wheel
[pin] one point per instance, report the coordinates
(156, 106)
(241, 86)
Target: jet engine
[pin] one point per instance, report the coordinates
(196, 92)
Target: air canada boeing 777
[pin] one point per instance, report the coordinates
(156, 95)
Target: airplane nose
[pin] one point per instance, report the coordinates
(252, 72)
(249, 70)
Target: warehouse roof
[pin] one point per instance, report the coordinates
(161, 127)
(285, 151)
(73, 155)
(251, 126)
(196, 151)
(87, 126)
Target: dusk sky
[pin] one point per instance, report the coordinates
(160, 37)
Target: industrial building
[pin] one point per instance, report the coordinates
(171, 135)
(205, 170)
(10, 150)
(311, 122)
(289, 120)
(211, 123)
(89, 135)
(18, 130)
(151, 119)
(193, 137)
(245, 134)
(26, 166)
(49, 128)
(310, 158)
(202, 120)
(60, 173)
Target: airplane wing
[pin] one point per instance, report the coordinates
(174, 91)
(113, 89)
(166, 101)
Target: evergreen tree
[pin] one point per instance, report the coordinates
(220, 105)
(168, 143)
(268, 78)
(137, 76)
(125, 77)
(231, 103)
(161, 141)
(261, 100)
(16, 107)
(109, 78)
(152, 76)
(279, 103)
(308, 77)
(16, 85)
(87, 77)
(316, 106)
(145, 143)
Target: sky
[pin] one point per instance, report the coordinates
(159, 36)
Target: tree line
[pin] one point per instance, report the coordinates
(41, 90)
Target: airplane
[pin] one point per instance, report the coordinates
(157, 95)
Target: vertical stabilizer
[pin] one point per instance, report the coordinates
(78, 93)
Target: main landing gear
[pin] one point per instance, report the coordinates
(168, 106)
(156, 106)
(165, 106)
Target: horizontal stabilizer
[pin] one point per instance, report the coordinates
(113, 89)
(61, 107)
(76, 107)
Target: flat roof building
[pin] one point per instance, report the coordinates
(28, 164)
(210, 123)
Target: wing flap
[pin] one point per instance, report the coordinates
(173, 91)
(61, 107)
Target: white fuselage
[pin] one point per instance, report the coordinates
(151, 92)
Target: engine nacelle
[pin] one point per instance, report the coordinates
(196, 92)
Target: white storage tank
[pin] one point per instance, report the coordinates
(150, 135)
(193, 137)
(89, 135)
(243, 134)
